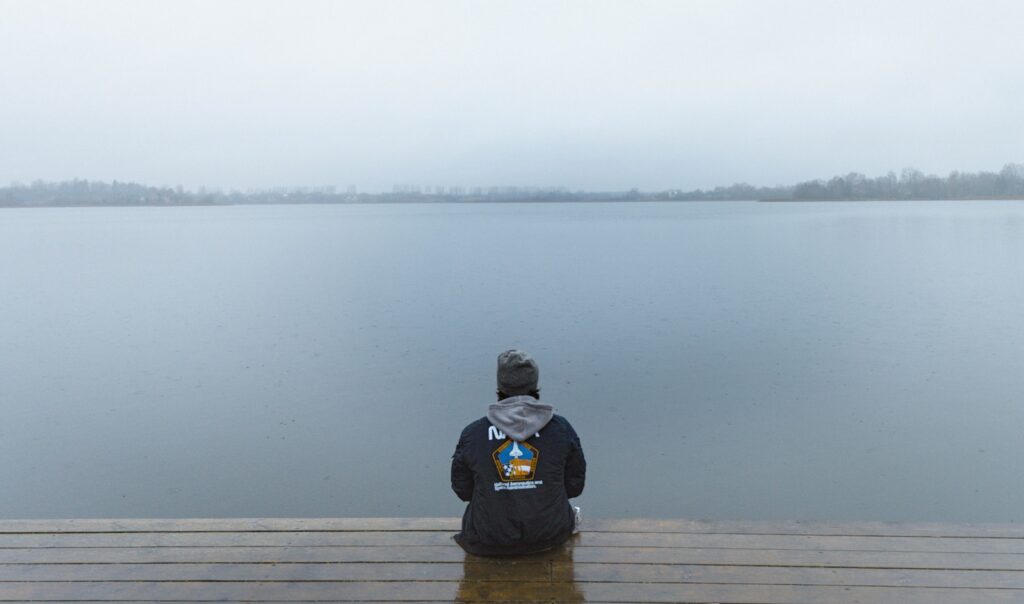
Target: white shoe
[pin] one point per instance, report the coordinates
(578, 520)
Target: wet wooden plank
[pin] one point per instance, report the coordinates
(481, 591)
(451, 553)
(673, 573)
(309, 539)
(514, 571)
(819, 558)
(586, 539)
(808, 542)
(633, 525)
(804, 542)
(864, 529)
(507, 570)
(145, 525)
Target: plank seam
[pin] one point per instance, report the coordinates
(449, 546)
(384, 562)
(453, 530)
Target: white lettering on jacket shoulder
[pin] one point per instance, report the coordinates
(496, 434)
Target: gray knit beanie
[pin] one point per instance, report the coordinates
(517, 373)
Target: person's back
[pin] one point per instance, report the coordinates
(517, 467)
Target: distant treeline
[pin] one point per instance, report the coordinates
(1008, 183)
(910, 184)
(94, 193)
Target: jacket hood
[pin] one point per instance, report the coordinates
(520, 417)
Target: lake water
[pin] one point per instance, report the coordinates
(832, 361)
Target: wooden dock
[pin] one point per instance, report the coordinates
(414, 559)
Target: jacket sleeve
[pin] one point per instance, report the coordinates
(575, 466)
(462, 474)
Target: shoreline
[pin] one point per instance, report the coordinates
(491, 202)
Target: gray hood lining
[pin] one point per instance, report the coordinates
(520, 417)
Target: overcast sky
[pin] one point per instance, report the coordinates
(589, 94)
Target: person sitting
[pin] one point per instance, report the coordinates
(517, 468)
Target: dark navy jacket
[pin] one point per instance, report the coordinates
(518, 492)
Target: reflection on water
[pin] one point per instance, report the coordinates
(545, 576)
